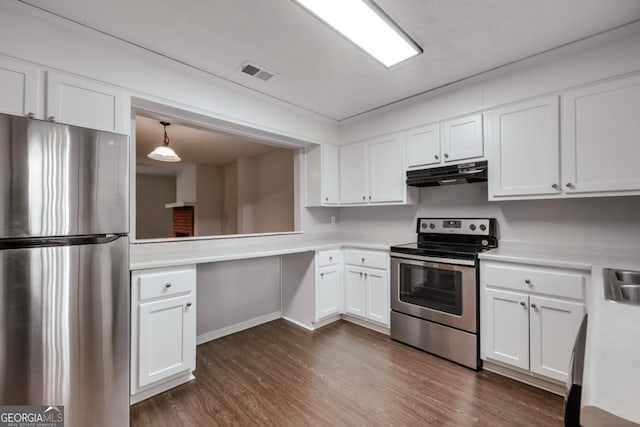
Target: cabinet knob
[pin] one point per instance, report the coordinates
(522, 303)
(189, 304)
(446, 156)
(326, 198)
(554, 186)
(167, 285)
(366, 274)
(361, 274)
(31, 115)
(322, 275)
(436, 157)
(527, 281)
(362, 259)
(364, 198)
(330, 258)
(569, 185)
(534, 306)
(369, 197)
(52, 118)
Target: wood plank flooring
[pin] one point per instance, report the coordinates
(279, 374)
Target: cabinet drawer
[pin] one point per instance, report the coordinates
(560, 283)
(366, 258)
(329, 258)
(163, 282)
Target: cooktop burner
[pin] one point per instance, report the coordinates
(451, 238)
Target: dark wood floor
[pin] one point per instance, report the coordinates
(278, 374)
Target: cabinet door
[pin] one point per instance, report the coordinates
(354, 291)
(19, 86)
(386, 169)
(601, 144)
(354, 178)
(166, 338)
(505, 327)
(423, 146)
(462, 138)
(554, 325)
(329, 294)
(525, 149)
(330, 175)
(377, 294)
(86, 103)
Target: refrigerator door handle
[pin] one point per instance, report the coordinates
(38, 242)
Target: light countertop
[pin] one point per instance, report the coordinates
(155, 255)
(611, 380)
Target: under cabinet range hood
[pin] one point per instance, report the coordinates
(448, 175)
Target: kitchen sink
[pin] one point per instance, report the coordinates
(622, 285)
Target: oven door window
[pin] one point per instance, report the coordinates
(431, 288)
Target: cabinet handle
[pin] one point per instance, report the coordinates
(534, 306)
(189, 304)
(436, 157)
(322, 275)
(31, 115)
(522, 303)
(527, 281)
(52, 118)
(167, 285)
(569, 185)
(446, 156)
(554, 186)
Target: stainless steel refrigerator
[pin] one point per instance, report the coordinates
(64, 288)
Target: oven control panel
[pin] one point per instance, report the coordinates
(478, 227)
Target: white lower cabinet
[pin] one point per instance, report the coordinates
(367, 285)
(530, 317)
(163, 329)
(354, 291)
(377, 295)
(328, 292)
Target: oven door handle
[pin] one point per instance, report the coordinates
(449, 261)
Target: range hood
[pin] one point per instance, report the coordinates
(448, 175)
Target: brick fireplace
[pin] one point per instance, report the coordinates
(183, 221)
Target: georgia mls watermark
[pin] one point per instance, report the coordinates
(31, 416)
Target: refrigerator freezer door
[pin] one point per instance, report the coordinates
(64, 338)
(60, 180)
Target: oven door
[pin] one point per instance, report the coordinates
(442, 293)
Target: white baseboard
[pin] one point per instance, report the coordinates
(219, 333)
(327, 321)
(548, 385)
(302, 325)
(366, 324)
(160, 388)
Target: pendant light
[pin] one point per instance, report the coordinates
(163, 152)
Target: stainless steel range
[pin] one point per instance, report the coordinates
(434, 287)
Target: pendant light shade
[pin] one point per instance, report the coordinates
(164, 153)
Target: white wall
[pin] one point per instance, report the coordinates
(36, 36)
(152, 218)
(613, 221)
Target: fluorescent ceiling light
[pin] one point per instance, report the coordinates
(362, 22)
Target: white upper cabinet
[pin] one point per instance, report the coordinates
(354, 175)
(373, 172)
(20, 89)
(322, 171)
(423, 146)
(80, 102)
(462, 138)
(601, 144)
(386, 169)
(525, 149)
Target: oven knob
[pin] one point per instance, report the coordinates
(472, 227)
(483, 227)
(432, 226)
(424, 225)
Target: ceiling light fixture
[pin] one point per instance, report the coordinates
(366, 25)
(163, 152)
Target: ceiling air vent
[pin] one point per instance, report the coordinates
(256, 71)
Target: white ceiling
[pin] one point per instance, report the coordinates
(192, 145)
(318, 69)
